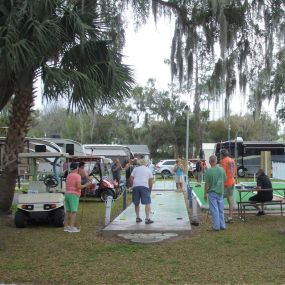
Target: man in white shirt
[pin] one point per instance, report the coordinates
(141, 181)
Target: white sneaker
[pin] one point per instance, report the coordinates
(74, 230)
(66, 229)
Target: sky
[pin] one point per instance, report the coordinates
(146, 50)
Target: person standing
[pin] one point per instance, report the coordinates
(72, 195)
(213, 191)
(229, 166)
(141, 180)
(179, 175)
(128, 167)
(263, 182)
(116, 170)
(199, 172)
(82, 172)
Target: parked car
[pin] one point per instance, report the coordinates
(166, 168)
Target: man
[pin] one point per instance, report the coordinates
(116, 170)
(128, 167)
(83, 173)
(229, 166)
(263, 182)
(214, 190)
(199, 172)
(72, 195)
(141, 180)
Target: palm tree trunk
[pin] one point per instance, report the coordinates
(18, 127)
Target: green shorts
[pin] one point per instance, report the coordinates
(71, 203)
(229, 191)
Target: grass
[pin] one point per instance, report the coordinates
(246, 253)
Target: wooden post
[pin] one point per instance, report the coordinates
(266, 163)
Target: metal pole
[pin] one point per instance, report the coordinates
(229, 138)
(108, 205)
(125, 198)
(187, 146)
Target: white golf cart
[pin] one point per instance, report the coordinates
(44, 200)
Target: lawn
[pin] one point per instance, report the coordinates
(251, 252)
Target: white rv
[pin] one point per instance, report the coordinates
(111, 151)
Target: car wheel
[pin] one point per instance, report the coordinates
(20, 219)
(58, 219)
(165, 174)
(241, 172)
(105, 193)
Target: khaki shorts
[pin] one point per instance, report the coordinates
(179, 179)
(228, 192)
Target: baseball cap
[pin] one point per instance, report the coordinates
(73, 165)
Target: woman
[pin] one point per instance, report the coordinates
(72, 195)
(179, 175)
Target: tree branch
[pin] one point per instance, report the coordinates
(181, 11)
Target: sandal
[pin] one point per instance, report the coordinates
(138, 220)
(148, 221)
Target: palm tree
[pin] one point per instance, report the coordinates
(64, 42)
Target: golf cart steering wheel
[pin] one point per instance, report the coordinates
(51, 181)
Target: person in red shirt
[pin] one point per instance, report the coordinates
(229, 166)
(72, 195)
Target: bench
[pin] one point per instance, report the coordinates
(243, 205)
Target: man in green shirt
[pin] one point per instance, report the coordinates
(214, 190)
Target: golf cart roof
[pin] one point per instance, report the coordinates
(43, 155)
(86, 158)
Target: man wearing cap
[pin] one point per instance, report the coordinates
(141, 180)
(229, 166)
(72, 195)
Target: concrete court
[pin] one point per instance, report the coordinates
(169, 213)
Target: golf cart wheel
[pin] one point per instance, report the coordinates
(165, 174)
(105, 193)
(20, 219)
(58, 219)
(241, 172)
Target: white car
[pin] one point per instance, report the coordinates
(166, 168)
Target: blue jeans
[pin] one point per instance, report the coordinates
(216, 205)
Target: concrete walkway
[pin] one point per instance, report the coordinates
(169, 213)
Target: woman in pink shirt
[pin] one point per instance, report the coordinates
(72, 195)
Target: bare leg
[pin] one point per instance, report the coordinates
(72, 219)
(137, 210)
(177, 186)
(231, 206)
(67, 219)
(147, 211)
